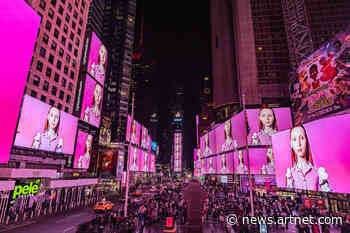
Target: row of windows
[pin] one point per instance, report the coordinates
(60, 9)
(43, 98)
(54, 89)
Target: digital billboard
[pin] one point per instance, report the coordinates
(177, 165)
(211, 165)
(195, 154)
(144, 137)
(264, 122)
(240, 162)
(144, 163)
(120, 165)
(83, 150)
(133, 161)
(225, 163)
(133, 131)
(153, 164)
(314, 156)
(92, 102)
(149, 143)
(178, 146)
(44, 127)
(154, 147)
(15, 59)
(322, 81)
(261, 161)
(207, 144)
(231, 134)
(97, 63)
(109, 161)
(204, 166)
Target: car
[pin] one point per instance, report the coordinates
(136, 193)
(103, 206)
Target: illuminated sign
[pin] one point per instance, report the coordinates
(29, 189)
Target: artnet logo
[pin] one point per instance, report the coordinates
(31, 188)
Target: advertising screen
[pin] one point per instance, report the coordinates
(44, 127)
(133, 131)
(144, 162)
(144, 137)
(177, 146)
(92, 102)
(211, 165)
(15, 59)
(154, 147)
(133, 161)
(231, 134)
(320, 149)
(97, 62)
(128, 129)
(240, 162)
(207, 144)
(120, 165)
(322, 81)
(196, 172)
(204, 166)
(152, 163)
(261, 161)
(177, 165)
(225, 163)
(83, 150)
(109, 161)
(264, 122)
(149, 143)
(195, 154)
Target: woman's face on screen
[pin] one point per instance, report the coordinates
(227, 128)
(89, 142)
(97, 94)
(240, 155)
(206, 139)
(53, 118)
(266, 117)
(298, 141)
(269, 153)
(102, 54)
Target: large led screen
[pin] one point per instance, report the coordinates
(211, 165)
(92, 102)
(322, 81)
(207, 144)
(144, 137)
(225, 163)
(265, 122)
(195, 154)
(240, 162)
(120, 165)
(261, 161)
(314, 156)
(83, 150)
(144, 163)
(109, 161)
(231, 134)
(133, 131)
(177, 146)
(153, 164)
(204, 167)
(177, 165)
(15, 59)
(133, 161)
(44, 127)
(97, 62)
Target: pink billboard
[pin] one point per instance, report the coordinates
(153, 163)
(44, 127)
(177, 146)
(207, 144)
(225, 163)
(143, 161)
(133, 159)
(177, 165)
(144, 137)
(314, 156)
(149, 143)
(240, 162)
(97, 62)
(231, 134)
(83, 150)
(133, 131)
(265, 122)
(15, 60)
(204, 166)
(195, 154)
(261, 161)
(92, 102)
(211, 165)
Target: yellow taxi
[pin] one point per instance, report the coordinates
(103, 206)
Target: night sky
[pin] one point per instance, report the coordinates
(178, 35)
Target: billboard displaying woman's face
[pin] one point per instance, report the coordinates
(261, 161)
(240, 161)
(314, 156)
(97, 62)
(92, 102)
(265, 122)
(83, 150)
(133, 161)
(44, 127)
(225, 163)
(207, 144)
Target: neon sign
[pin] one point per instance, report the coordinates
(31, 188)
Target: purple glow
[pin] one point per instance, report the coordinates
(329, 150)
(211, 165)
(207, 144)
(31, 131)
(257, 160)
(83, 150)
(133, 161)
(225, 163)
(18, 21)
(133, 131)
(97, 63)
(92, 102)
(240, 162)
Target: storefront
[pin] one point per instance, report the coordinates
(338, 203)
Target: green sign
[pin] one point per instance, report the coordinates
(26, 189)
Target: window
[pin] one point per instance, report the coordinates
(83, 4)
(46, 86)
(39, 66)
(70, 7)
(52, 102)
(53, 45)
(71, 74)
(75, 52)
(79, 31)
(74, 63)
(71, 36)
(59, 106)
(63, 40)
(43, 98)
(51, 58)
(57, 77)
(42, 4)
(65, 29)
(46, 39)
(70, 86)
(65, 69)
(67, 18)
(54, 90)
(63, 1)
(61, 95)
(61, 52)
(56, 33)
(60, 10)
(77, 42)
(59, 65)
(36, 80)
(51, 13)
(33, 93)
(67, 58)
(75, 15)
(58, 22)
(48, 72)
(53, 2)
(42, 52)
(66, 109)
(64, 82)
(70, 47)
(48, 25)
(68, 98)
(81, 22)
(73, 24)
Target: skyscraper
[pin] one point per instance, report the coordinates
(56, 60)
(206, 115)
